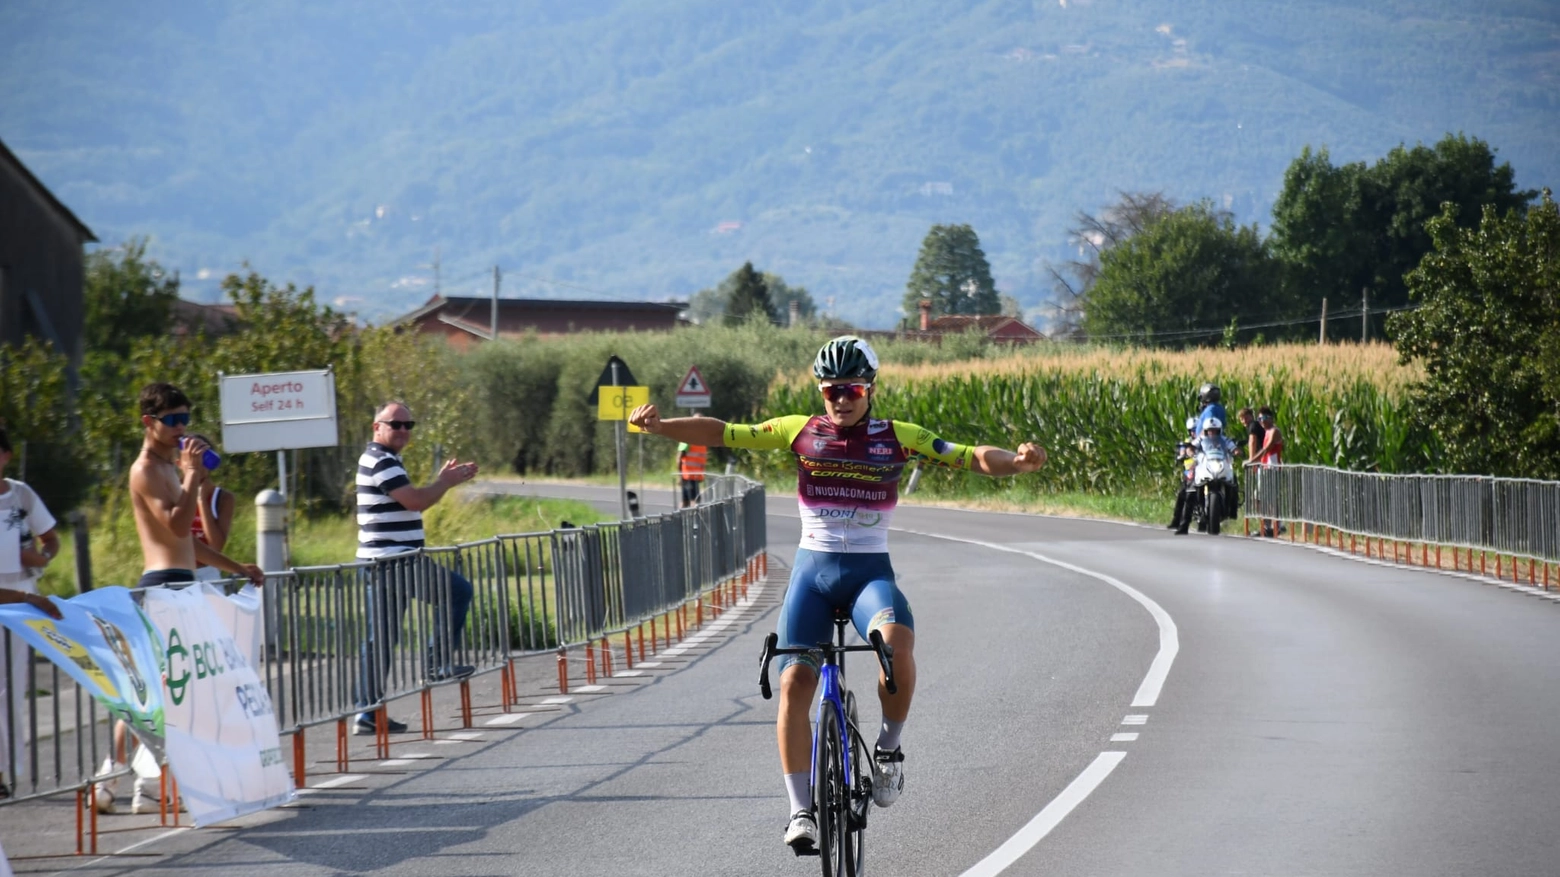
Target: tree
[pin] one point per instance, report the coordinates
(749, 298)
(127, 297)
(1181, 280)
(1341, 230)
(1487, 331)
(709, 305)
(1091, 236)
(953, 273)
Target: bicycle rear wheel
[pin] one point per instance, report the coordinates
(831, 796)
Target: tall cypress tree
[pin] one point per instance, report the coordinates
(750, 298)
(953, 272)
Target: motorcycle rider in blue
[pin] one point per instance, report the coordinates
(1212, 433)
(1208, 397)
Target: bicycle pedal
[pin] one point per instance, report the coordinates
(805, 850)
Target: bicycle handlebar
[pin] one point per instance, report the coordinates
(884, 652)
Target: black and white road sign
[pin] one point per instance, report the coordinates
(693, 392)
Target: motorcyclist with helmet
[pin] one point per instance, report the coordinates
(1212, 433)
(1208, 397)
(1185, 455)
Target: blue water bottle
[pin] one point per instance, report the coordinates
(210, 459)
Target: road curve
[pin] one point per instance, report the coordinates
(1320, 716)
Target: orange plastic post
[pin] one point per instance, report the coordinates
(641, 642)
(666, 630)
(162, 798)
(1351, 543)
(606, 656)
(300, 763)
(465, 704)
(175, 796)
(92, 822)
(1438, 555)
(1292, 530)
(698, 615)
(382, 732)
(1514, 569)
(590, 662)
(427, 713)
(343, 753)
(503, 684)
(682, 609)
(1245, 526)
(628, 650)
(563, 670)
(653, 635)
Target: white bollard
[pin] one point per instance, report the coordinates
(271, 555)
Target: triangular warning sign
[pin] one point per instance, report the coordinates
(693, 384)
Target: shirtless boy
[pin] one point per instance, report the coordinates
(166, 501)
(165, 490)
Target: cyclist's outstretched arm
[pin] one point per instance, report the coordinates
(997, 462)
(706, 431)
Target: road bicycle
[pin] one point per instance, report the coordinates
(841, 761)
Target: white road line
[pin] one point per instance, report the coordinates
(1040, 826)
(1169, 638)
(630, 673)
(1085, 783)
(506, 719)
(332, 783)
(1124, 738)
(396, 762)
(648, 664)
(587, 689)
(1135, 720)
(564, 699)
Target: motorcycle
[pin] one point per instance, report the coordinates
(1212, 480)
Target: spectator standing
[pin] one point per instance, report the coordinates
(27, 544)
(213, 519)
(1268, 455)
(1254, 432)
(166, 482)
(390, 524)
(691, 460)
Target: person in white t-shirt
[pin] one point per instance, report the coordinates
(27, 544)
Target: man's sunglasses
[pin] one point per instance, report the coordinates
(841, 392)
(180, 419)
(400, 424)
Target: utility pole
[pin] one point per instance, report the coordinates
(1323, 339)
(1364, 314)
(493, 327)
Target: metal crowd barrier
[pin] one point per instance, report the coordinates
(1507, 516)
(351, 636)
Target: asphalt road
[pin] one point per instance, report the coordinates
(1294, 713)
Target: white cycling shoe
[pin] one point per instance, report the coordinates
(888, 776)
(802, 833)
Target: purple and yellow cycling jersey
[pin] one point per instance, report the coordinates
(847, 478)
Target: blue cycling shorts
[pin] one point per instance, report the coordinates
(821, 582)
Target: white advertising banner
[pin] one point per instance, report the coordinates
(223, 744)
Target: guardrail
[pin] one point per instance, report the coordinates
(1510, 517)
(346, 638)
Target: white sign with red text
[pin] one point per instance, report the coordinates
(279, 411)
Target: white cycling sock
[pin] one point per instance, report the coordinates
(888, 735)
(799, 787)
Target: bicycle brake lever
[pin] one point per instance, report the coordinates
(885, 653)
(763, 666)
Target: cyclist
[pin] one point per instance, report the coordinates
(848, 470)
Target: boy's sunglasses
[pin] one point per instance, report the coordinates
(841, 392)
(180, 419)
(400, 424)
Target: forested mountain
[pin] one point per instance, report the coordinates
(647, 148)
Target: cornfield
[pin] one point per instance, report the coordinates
(1110, 421)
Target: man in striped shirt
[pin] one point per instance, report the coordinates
(390, 526)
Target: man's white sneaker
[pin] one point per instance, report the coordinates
(147, 797)
(888, 776)
(103, 792)
(802, 833)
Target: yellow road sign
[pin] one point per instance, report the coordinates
(615, 403)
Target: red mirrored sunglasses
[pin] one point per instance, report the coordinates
(841, 392)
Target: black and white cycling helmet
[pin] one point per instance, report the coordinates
(1191, 424)
(1208, 394)
(846, 357)
(1213, 423)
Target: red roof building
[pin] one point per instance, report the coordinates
(467, 321)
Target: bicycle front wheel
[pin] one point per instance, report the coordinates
(831, 797)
